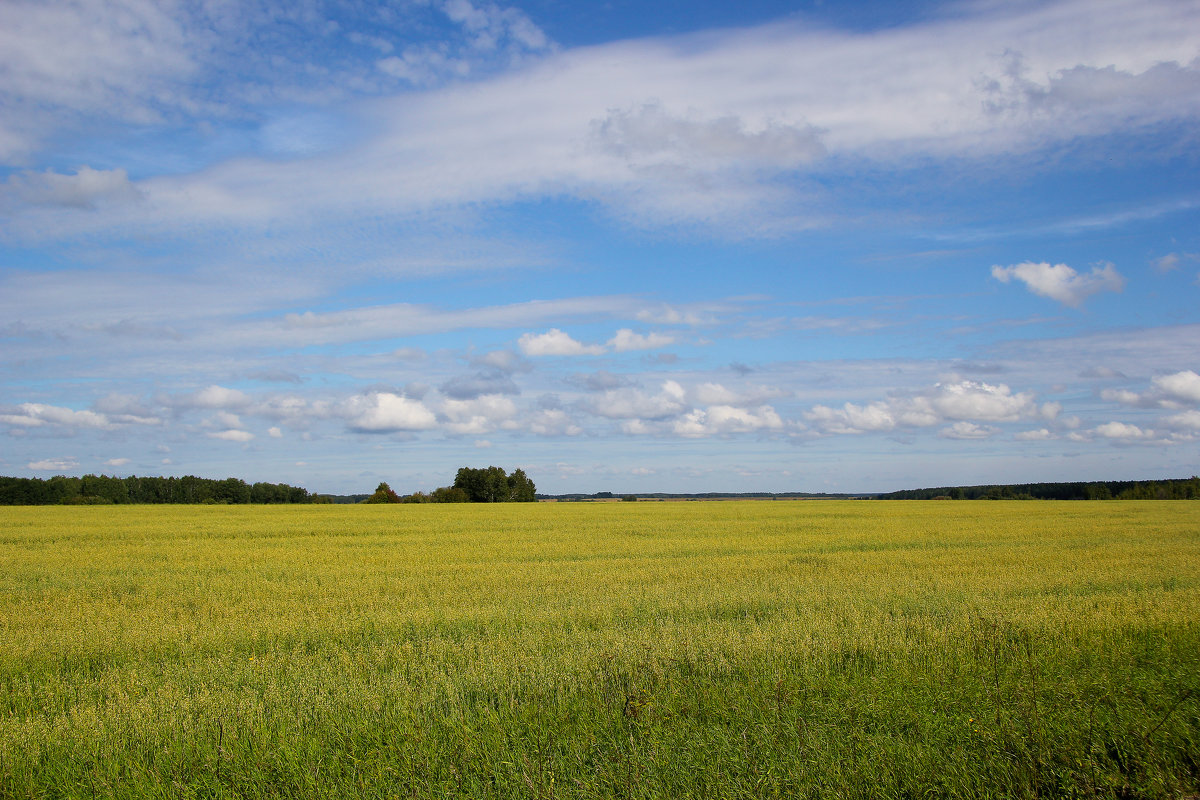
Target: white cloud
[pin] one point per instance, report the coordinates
(479, 415)
(115, 58)
(87, 189)
(626, 340)
(555, 343)
(632, 403)
(852, 418)
(1039, 435)
(1122, 431)
(385, 412)
(224, 419)
(35, 415)
(1125, 397)
(232, 435)
(122, 409)
(553, 422)
(1060, 282)
(968, 430)
(672, 315)
(716, 126)
(274, 432)
(116, 462)
(1170, 391)
(215, 397)
(636, 427)
(1180, 386)
(1167, 263)
(652, 138)
(503, 360)
(54, 464)
(1188, 420)
(964, 401)
(721, 419)
(717, 394)
(490, 25)
(971, 400)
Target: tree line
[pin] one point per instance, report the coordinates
(105, 490)
(1171, 489)
(471, 485)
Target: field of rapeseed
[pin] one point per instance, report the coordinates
(735, 649)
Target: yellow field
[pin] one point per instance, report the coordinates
(481, 649)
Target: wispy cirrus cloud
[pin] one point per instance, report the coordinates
(728, 114)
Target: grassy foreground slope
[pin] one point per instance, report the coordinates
(752, 649)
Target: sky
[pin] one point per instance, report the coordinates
(679, 247)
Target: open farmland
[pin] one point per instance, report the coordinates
(740, 649)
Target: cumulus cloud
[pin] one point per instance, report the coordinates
(852, 418)
(1183, 386)
(633, 403)
(1170, 391)
(1039, 435)
(1188, 420)
(1127, 397)
(125, 408)
(553, 422)
(36, 415)
(54, 464)
(224, 419)
(961, 401)
(721, 419)
(385, 412)
(626, 340)
(231, 435)
(971, 400)
(1060, 282)
(968, 430)
(555, 343)
(116, 462)
(1122, 431)
(478, 415)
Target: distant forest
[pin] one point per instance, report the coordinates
(1171, 489)
(105, 490)
(602, 496)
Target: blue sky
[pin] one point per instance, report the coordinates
(812, 246)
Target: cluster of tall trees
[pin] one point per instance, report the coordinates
(471, 485)
(103, 489)
(1172, 489)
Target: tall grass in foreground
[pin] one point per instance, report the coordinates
(799, 649)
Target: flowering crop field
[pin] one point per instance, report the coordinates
(731, 649)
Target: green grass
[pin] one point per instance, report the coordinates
(739, 649)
